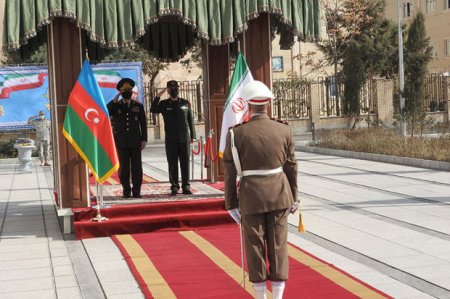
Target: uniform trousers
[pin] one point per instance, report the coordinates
(266, 235)
(43, 146)
(130, 158)
(178, 152)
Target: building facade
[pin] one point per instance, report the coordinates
(437, 25)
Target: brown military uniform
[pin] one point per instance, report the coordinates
(264, 200)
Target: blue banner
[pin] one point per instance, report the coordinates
(24, 90)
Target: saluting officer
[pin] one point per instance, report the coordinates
(42, 126)
(264, 157)
(180, 132)
(130, 135)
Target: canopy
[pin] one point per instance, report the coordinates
(166, 27)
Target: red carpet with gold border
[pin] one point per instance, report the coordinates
(206, 263)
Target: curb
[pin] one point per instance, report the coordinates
(437, 165)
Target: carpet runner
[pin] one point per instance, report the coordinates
(206, 263)
(156, 192)
(150, 217)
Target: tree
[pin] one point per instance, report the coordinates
(194, 57)
(353, 73)
(151, 66)
(361, 24)
(417, 56)
(39, 56)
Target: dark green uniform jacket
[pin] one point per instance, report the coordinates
(178, 119)
(129, 123)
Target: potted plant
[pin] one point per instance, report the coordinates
(24, 147)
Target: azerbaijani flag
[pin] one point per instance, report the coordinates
(235, 107)
(88, 128)
(18, 82)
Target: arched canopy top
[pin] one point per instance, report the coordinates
(121, 23)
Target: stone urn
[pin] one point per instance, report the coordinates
(25, 147)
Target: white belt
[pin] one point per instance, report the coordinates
(262, 171)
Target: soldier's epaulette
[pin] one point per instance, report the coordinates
(237, 125)
(284, 122)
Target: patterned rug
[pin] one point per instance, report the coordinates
(157, 192)
(114, 179)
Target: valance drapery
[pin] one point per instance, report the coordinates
(121, 23)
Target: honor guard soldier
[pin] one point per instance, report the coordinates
(42, 126)
(130, 135)
(261, 152)
(180, 132)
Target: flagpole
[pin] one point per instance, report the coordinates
(99, 217)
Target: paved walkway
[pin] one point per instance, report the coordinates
(386, 224)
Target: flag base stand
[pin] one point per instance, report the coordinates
(99, 217)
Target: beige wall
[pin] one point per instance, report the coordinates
(2, 16)
(176, 71)
(437, 25)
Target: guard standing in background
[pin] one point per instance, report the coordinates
(42, 126)
(130, 135)
(180, 132)
(262, 152)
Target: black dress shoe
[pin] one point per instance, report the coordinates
(173, 192)
(126, 195)
(187, 191)
(137, 196)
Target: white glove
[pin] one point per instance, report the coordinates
(295, 206)
(236, 215)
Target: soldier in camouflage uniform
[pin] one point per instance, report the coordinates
(42, 126)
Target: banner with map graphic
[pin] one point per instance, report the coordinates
(24, 90)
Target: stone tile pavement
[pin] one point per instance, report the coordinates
(386, 224)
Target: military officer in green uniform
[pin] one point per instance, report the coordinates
(130, 135)
(261, 151)
(180, 132)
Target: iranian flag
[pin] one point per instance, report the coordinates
(235, 107)
(18, 82)
(109, 79)
(88, 128)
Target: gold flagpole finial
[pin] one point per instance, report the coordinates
(86, 53)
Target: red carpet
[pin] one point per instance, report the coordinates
(205, 263)
(149, 217)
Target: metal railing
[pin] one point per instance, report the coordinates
(292, 99)
(435, 91)
(328, 103)
(189, 90)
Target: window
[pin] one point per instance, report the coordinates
(433, 49)
(446, 4)
(430, 6)
(407, 9)
(277, 64)
(447, 47)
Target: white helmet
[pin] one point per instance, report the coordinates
(257, 93)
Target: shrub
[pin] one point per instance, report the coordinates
(386, 142)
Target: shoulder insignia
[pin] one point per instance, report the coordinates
(284, 122)
(237, 125)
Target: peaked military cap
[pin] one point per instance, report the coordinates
(124, 82)
(172, 83)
